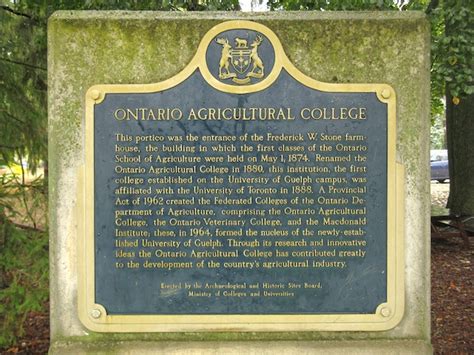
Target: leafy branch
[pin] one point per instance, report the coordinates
(23, 64)
(2, 146)
(19, 13)
(15, 12)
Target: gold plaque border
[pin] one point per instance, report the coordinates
(387, 316)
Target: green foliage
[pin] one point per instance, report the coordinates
(24, 284)
(22, 87)
(139, 5)
(453, 48)
(438, 133)
(23, 255)
(334, 5)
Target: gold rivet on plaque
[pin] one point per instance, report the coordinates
(385, 93)
(95, 94)
(385, 312)
(95, 313)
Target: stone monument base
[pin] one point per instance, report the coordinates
(378, 347)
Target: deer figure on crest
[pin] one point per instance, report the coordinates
(225, 58)
(257, 61)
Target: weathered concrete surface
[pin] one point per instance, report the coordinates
(251, 348)
(87, 48)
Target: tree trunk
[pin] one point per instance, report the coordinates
(460, 134)
(3, 232)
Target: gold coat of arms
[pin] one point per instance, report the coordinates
(241, 62)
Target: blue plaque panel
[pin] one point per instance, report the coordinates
(358, 287)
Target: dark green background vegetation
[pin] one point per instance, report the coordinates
(23, 118)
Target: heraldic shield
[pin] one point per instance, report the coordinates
(240, 62)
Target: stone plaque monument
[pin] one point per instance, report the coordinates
(241, 178)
